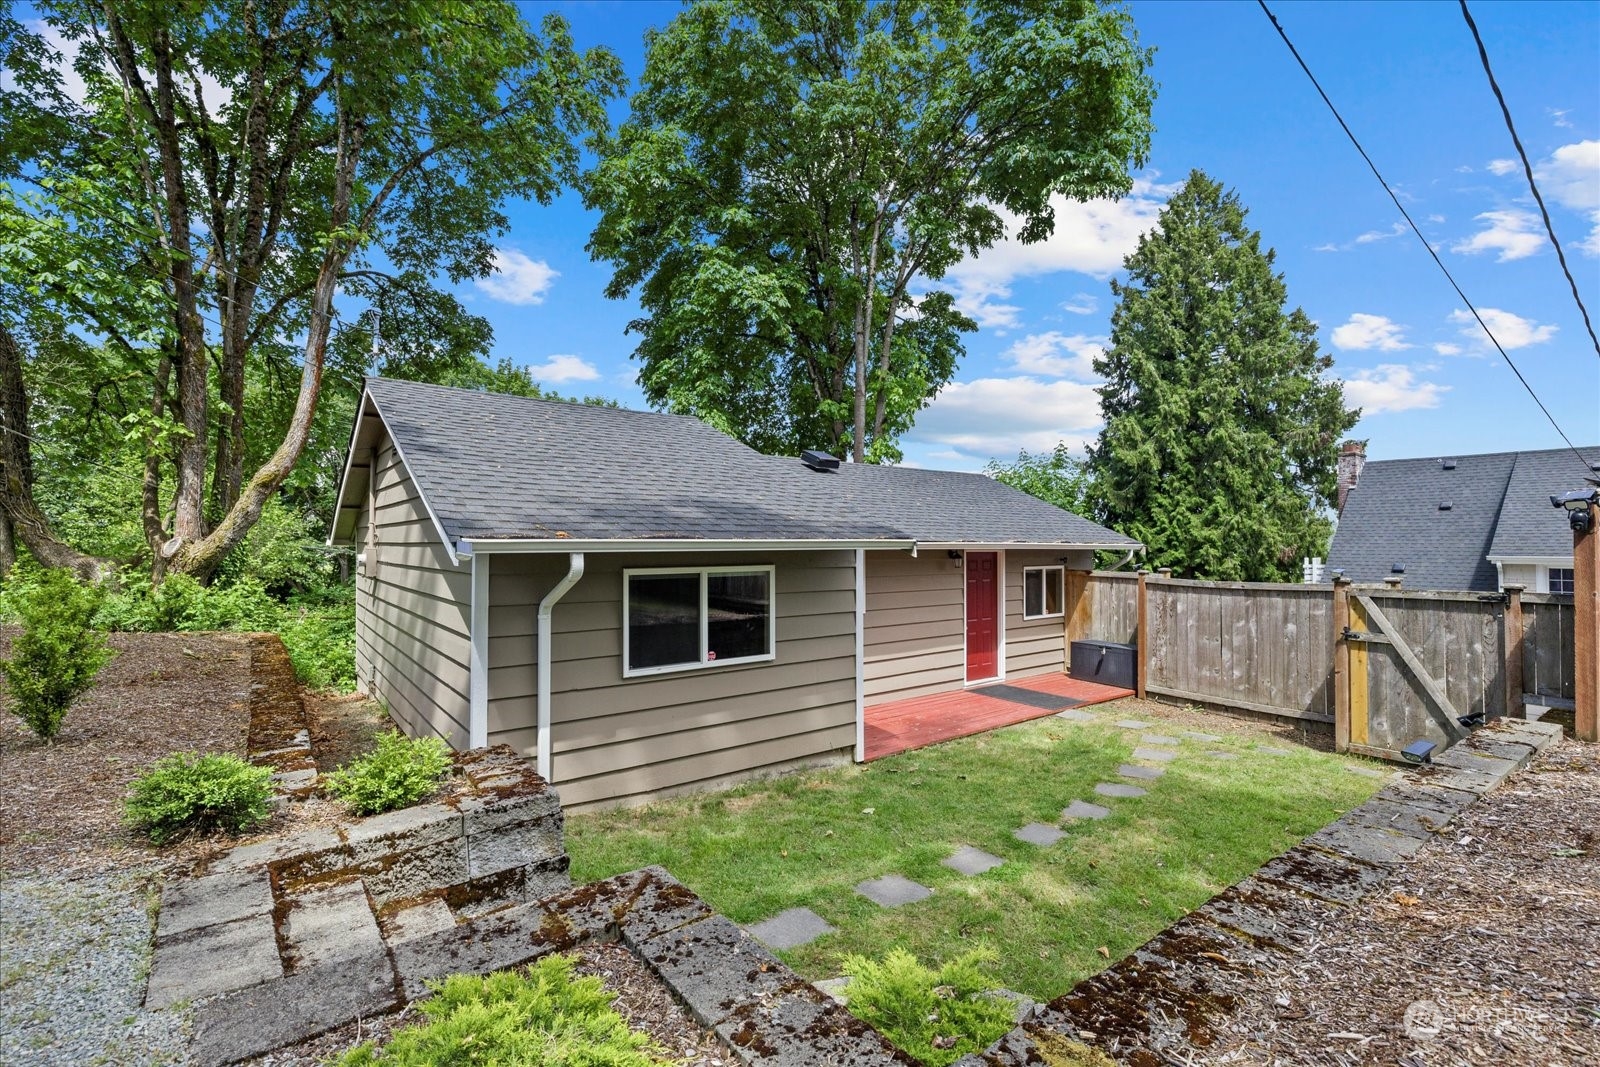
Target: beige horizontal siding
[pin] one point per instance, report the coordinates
(915, 629)
(1035, 646)
(412, 648)
(620, 740)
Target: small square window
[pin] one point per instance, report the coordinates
(1042, 593)
(1561, 580)
(681, 619)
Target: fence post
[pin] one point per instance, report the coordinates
(1142, 635)
(1586, 629)
(1341, 664)
(1513, 640)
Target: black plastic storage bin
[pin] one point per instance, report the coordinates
(1106, 662)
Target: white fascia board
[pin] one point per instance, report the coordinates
(1548, 561)
(489, 546)
(449, 546)
(1002, 546)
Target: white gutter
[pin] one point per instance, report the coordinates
(861, 656)
(546, 606)
(475, 545)
(478, 683)
(997, 546)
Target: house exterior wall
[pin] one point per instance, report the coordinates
(412, 603)
(1523, 574)
(617, 740)
(916, 622)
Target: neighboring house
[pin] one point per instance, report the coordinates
(647, 605)
(1466, 522)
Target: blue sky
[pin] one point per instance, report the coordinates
(1232, 102)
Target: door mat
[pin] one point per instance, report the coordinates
(1018, 695)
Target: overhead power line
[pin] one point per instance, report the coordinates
(1418, 231)
(1527, 168)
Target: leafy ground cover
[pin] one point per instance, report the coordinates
(1054, 915)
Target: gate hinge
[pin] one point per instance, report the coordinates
(1495, 598)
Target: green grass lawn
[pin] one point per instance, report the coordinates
(807, 839)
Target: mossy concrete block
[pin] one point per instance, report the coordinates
(490, 811)
(213, 959)
(1370, 844)
(256, 1021)
(494, 942)
(419, 920)
(1414, 820)
(329, 923)
(402, 830)
(213, 899)
(714, 967)
(1324, 875)
(803, 1027)
(547, 878)
(661, 904)
(411, 874)
(311, 844)
(1464, 757)
(513, 845)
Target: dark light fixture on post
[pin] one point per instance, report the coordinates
(1578, 504)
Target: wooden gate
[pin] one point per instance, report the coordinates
(1409, 666)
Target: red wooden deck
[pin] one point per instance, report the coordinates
(902, 725)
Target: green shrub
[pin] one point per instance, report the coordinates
(190, 793)
(935, 1016)
(397, 774)
(321, 640)
(59, 651)
(541, 1015)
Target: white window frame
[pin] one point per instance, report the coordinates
(1061, 587)
(1548, 574)
(704, 573)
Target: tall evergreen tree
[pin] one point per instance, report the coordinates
(1221, 428)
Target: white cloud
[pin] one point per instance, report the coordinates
(1558, 116)
(212, 92)
(1445, 348)
(996, 417)
(1057, 355)
(1501, 166)
(1092, 238)
(1514, 234)
(1368, 238)
(1512, 331)
(1081, 304)
(1391, 387)
(1571, 177)
(558, 369)
(1435, 218)
(518, 279)
(1364, 332)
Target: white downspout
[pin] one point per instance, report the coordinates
(478, 676)
(546, 606)
(861, 656)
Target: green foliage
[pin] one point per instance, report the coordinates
(320, 638)
(790, 172)
(541, 1015)
(1220, 444)
(283, 552)
(506, 377)
(936, 1016)
(58, 652)
(189, 793)
(398, 773)
(1055, 477)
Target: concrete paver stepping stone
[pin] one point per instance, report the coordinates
(790, 929)
(1196, 735)
(971, 861)
(1074, 715)
(1082, 809)
(1159, 755)
(1038, 833)
(1274, 750)
(892, 891)
(1118, 789)
(1159, 739)
(1133, 724)
(1144, 774)
(1223, 755)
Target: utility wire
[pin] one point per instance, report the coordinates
(1416, 230)
(1527, 168)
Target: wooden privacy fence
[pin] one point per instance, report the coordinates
(1384, 666)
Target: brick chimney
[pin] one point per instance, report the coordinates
(1352, 457)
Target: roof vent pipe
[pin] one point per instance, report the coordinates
(1447, 464)
(546, 607)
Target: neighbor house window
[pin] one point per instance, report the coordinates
(680, 618)
(1561, 579)
(1041, 592)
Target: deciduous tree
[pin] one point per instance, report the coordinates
(1221, 425)
(792, 174)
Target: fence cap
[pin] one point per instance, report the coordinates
(1513, 588)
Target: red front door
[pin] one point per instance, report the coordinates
(983, 616)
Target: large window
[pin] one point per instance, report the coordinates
(1561, 579)
(1042, 594)
(678, 619)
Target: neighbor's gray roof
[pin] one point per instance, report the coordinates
(496, 466)
(1393, 515)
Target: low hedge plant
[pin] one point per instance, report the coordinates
(189, 793)
(397, 774)
(935, 1015)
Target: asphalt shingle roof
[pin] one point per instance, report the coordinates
(1393, 515)
(496, 466)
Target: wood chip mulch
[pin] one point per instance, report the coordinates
(1485, 949)
(61, 804)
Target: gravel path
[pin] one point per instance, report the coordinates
(73, 958)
